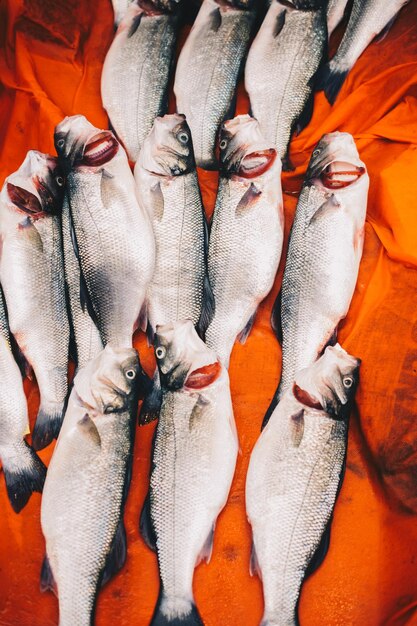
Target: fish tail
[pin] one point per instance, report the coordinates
(175, 612)
(48, 424)
(330, 80)
(24, 473)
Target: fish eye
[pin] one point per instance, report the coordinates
(316, 152)
(160, 352)
(223, 144)
(130, 374)
(348, 382)
(109, 408)
(183, 137)
(59, 181)
(60, 143)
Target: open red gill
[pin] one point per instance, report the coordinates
(257, 163)
(100, 150)
(338, 175)
(24, 200)
(305, 398)
(203, 376)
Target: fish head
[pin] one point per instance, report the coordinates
(112, 382)
(243, 150)
(79, 143)
(183, 358)
(168, 149)
(330, 383)
(335, 163)
(37, 187)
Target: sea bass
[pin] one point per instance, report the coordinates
(324, 253)
(82, 503)
(23, 470)
(112, 235)
(293, 40)
(136, 71)
(193, 463)
(368, 19)
(208, 70)
(294, 475)
(335, 12)
(32, 277)
(246, 233)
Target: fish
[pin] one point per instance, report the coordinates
(295, 41)
(23, 470)
(246, 233)
(208, 69)
(32, 277)
(137, 70)
(294, 476)
(87, 481)
(167, 186)
(193, 464)
(324, 253)
(112, 236)
(368, 19)
(336, 10)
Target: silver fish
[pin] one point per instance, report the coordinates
(281, 67)
(82, 503)
(335, 12)
(368, 19)
(23, 470)
(294, 475)
(136, 71)
(193, 463)
(32, 277)
(324, 253)
(208, 69)
(112, 235)
(246, 233)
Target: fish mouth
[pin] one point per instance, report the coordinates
(203, 376)
(341, 174)
(25, 201)
(256, 163)
(100, 149)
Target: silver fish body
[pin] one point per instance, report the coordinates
(246, 233)
(335, 12)
(82, 504)
(136, 71)
(208, 69)
(367, 19)
(294, 475)
(32, 277)
(193, 463)
(23, 471)
(113, 235)
(280, 70)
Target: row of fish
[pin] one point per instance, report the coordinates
(283, 65)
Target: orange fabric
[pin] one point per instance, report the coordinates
(50, 66)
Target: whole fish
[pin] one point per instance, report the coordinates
(82, 503)
(335, 12)
(208, 69)
(23, 470)
(246, 233)
(294, 476)
(168, 190)
(193, 463)
(112, 235)
(136, 71)
(293, 40)
(368, 19)
(324, 253)
(32, 277)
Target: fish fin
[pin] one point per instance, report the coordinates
(47, 426)
(151, 405)
(159, 618)
(207, 549)
(23, 475)
(142, 321)
(279, 24)
(276, 322)
(85, 300)
(88, 428)
(249, 198)
(215, 20)
(106, 174)
(207, 308)
(320, 553)
(297, 428)
(117, 555)
(47, 581)
(330, 81)
(134, 25)
(145, 524)
(273, 405)
(158, 202)
(254, 567)
(197, 412)
(25, 367)
(245, 332)
(332, 341)
(384, 32)
(329, 206)
(150, 334)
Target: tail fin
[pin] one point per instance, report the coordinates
(169, 613)
(330, 79)
(48, 424)
(24, 473)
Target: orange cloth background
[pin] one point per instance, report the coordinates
(50, 66)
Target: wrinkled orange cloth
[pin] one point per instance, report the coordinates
(50, 66)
